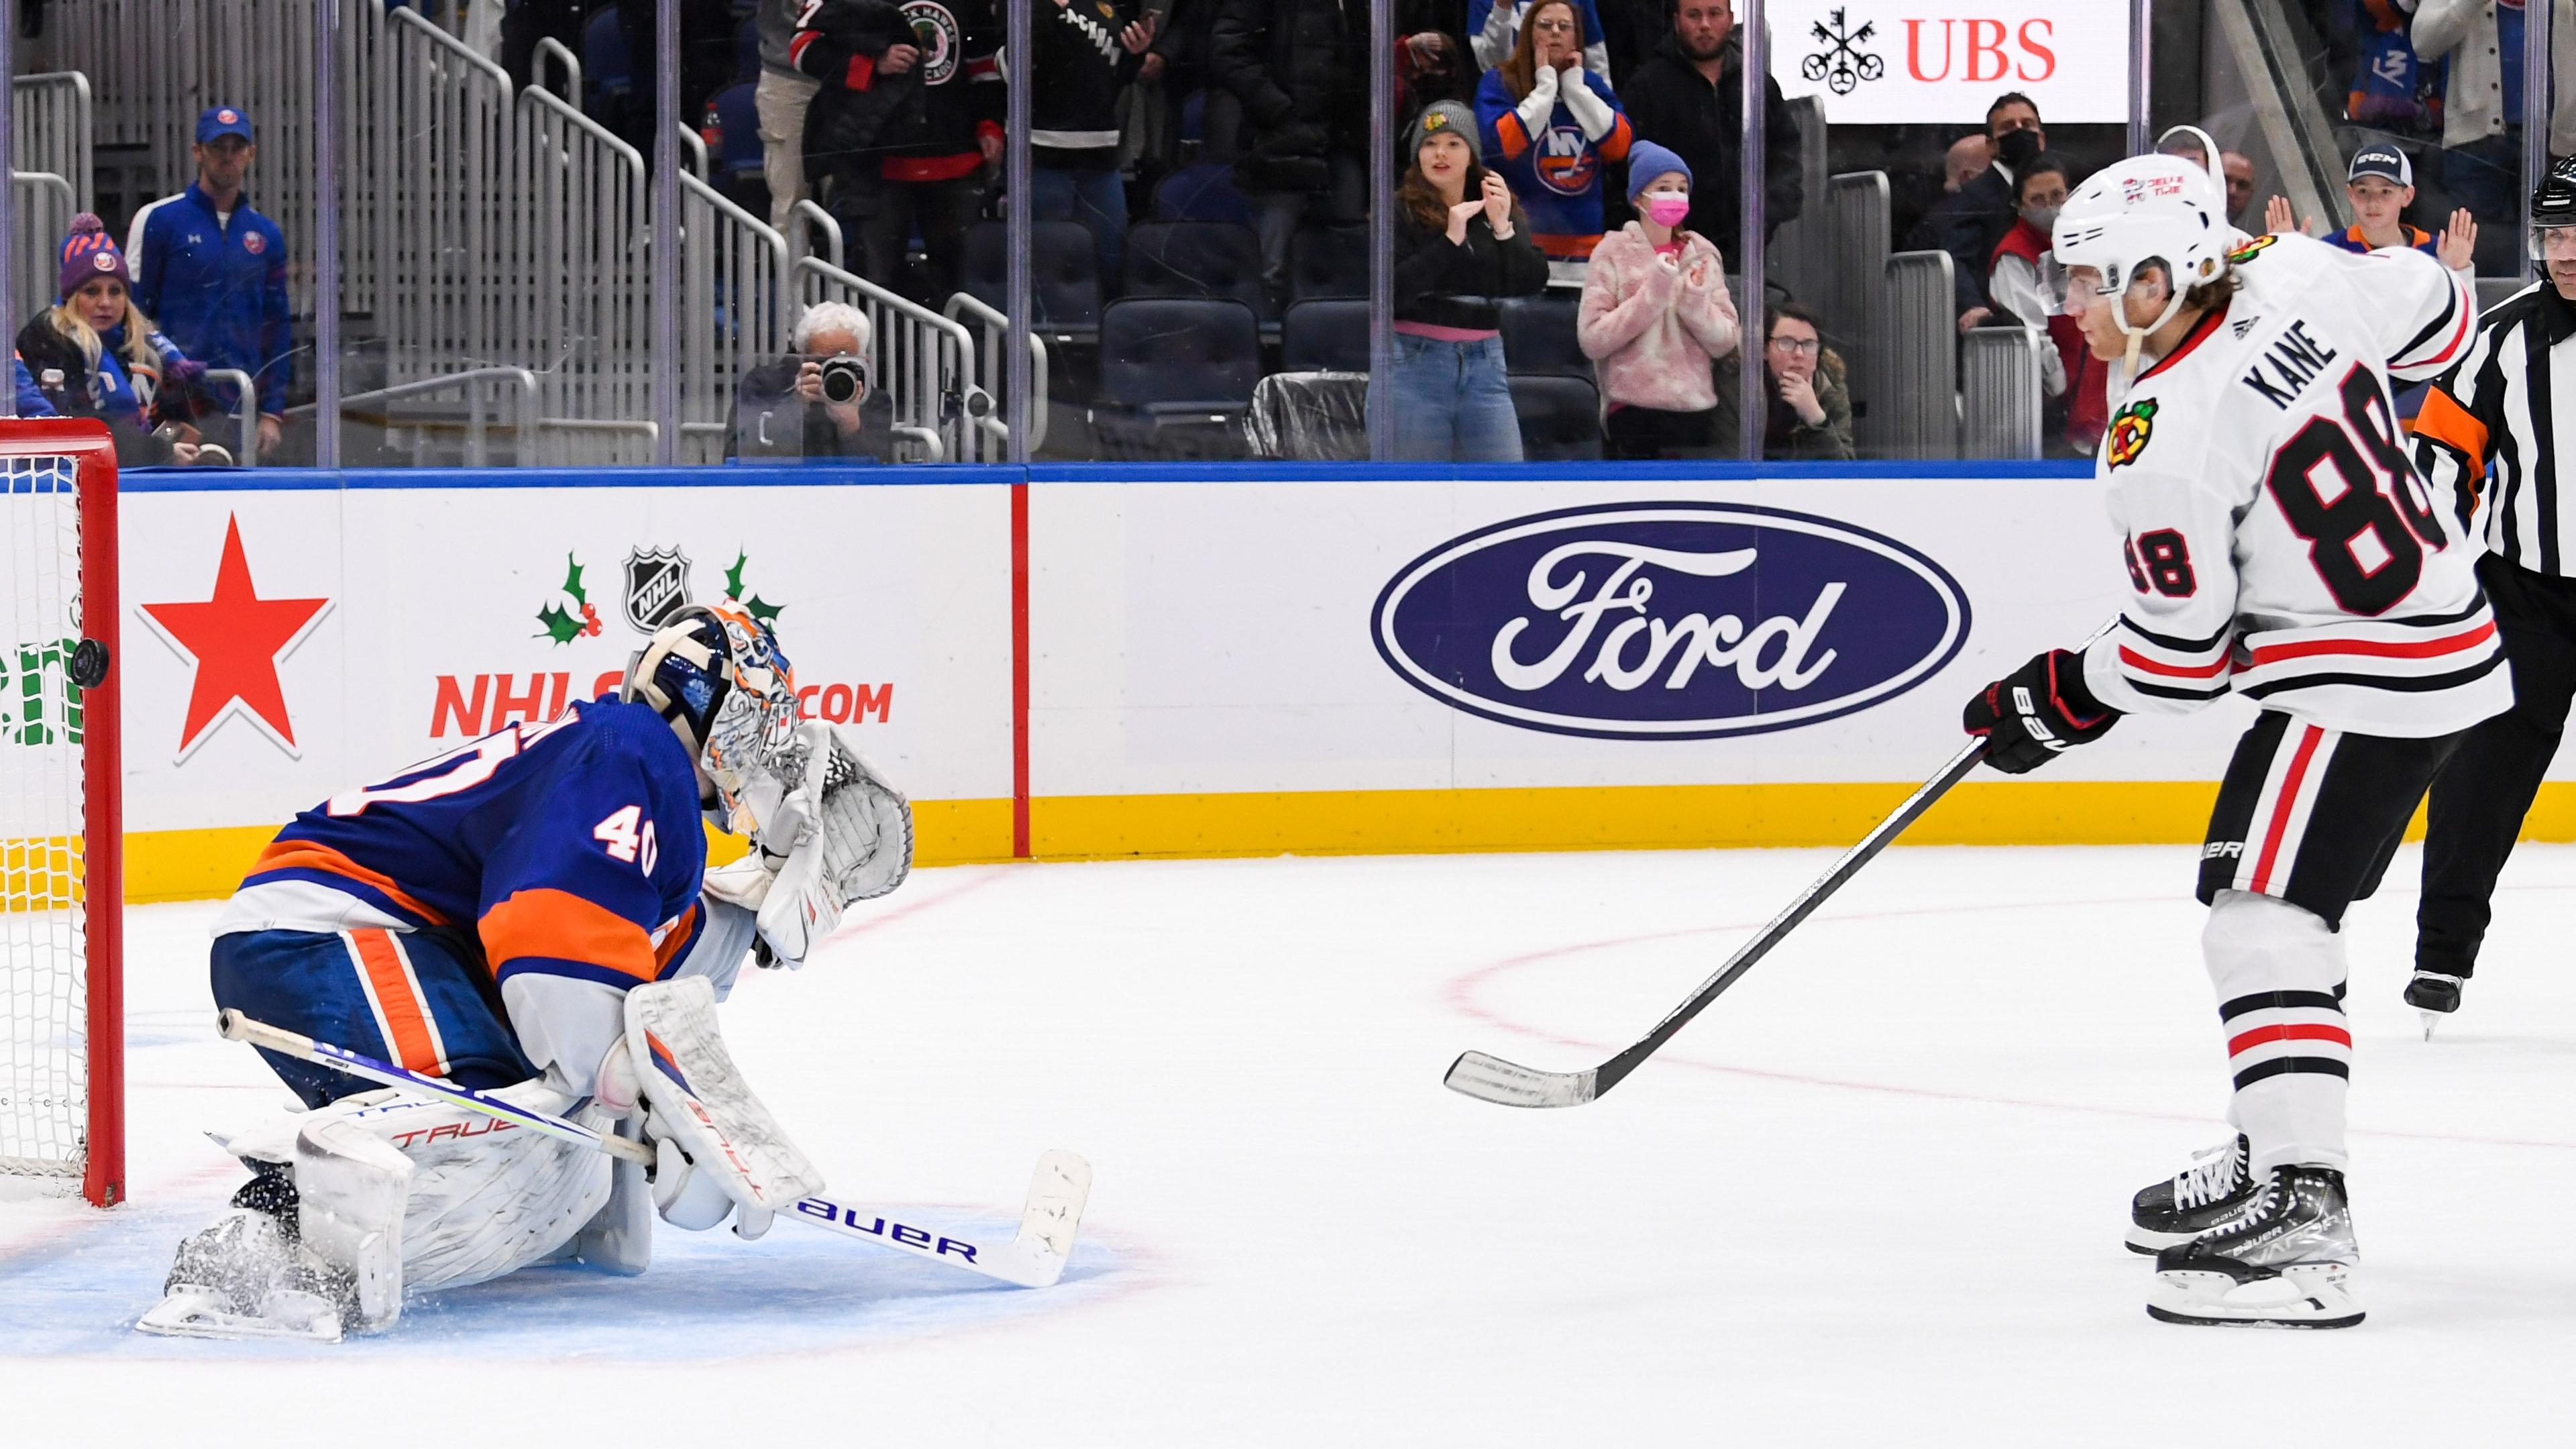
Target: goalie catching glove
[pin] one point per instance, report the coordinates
(838, 835)
(2039, 710)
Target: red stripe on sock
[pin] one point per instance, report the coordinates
(2289, 1031)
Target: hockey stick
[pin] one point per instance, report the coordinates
(1034, 1258)
(1492, 1079)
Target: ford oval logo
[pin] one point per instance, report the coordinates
(1677, 621)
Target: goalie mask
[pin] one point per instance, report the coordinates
(717, 675)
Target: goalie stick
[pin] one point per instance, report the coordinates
(1034, 1258)
(1491, 1079)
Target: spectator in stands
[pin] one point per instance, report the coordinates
(2380, 183)
(1552, 126)
(2239, 173)
(214, 271)
(1689, 97)
(1084, 56)
(782, 411)
(95, 355)
(1811, 416)
(2481, 40)
(1656, 317)
(1969, 223)
(904, 126)
(1430, 66)
(1494, 33)
(1461, 245)
(1300, 71)
(2392, 88)
(1968, 157)
(780, 98)
(2028, 291)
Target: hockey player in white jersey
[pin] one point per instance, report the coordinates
(2279, 544)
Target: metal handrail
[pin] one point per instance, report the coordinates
(571, 63)
(475, 457)
(451, 45)
(548, 100)
(990, 420)
(697, 145)
(805, 216)
(245, 410)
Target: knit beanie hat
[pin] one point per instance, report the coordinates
(1646, 161)
(90, 252)
(1439, 116)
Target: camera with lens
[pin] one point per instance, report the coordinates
(844, 378)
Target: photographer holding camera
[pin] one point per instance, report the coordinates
(817, 402)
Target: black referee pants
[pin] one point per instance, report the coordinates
(2479, 798)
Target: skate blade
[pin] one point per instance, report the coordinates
(2430, 1019)
(2310, 1295)
(2151, 1242)
(197, 1313)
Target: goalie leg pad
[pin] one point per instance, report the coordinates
(701, 1102)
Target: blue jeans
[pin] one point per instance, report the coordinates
(1097, 199)
(1451, 402)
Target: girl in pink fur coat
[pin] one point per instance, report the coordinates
(1655, 317)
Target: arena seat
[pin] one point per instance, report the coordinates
(1560, 418)
(1328, 261)
(1177, 375)
(1064, 274)
(1201, 193)
(1212, 259)
(1539, 337)
(1326, 334)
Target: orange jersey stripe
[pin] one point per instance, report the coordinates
(408, 1028)
(2446, 422)
(309, 855)
(566, 927)
(675, 940)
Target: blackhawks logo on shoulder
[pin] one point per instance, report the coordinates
(2252, 249)
(2130, 430)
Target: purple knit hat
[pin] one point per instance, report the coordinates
(90, 252)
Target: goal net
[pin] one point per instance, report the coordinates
(61, 886)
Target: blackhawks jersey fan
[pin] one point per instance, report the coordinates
(2280, 545)
(482, 917)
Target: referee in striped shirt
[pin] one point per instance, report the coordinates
(2489, 432)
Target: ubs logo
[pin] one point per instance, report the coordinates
(1669, 620)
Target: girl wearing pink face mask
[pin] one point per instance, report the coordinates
(1655, 316)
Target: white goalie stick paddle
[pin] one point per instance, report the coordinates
(1492, 1079)
(1034, 1258)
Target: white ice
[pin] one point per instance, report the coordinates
(1873, 1197)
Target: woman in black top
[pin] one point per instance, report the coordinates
(1459, 249)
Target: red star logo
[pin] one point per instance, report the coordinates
(234, 641)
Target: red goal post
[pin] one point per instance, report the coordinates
(62, 1016)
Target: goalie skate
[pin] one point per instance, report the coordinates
(246, 1277)
(2212, 1189)
(2287, 1262)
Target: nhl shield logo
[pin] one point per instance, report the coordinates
(657, 586)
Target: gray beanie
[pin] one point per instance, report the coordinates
(1457, 116)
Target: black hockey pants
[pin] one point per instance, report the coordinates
(2481, 795)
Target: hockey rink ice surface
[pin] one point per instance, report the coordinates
(1874, 1196)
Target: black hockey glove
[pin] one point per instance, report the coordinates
(2031, 714)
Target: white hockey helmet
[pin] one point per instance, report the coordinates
(2146, 210)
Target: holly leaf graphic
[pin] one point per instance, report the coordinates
(560, 625)
(763, 611)
(733, 576)
(572, 582)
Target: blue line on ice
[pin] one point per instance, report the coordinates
(706, 1296)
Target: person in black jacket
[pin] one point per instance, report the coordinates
(1300, 70)
(909, 117)
(780, 409)
(1690, 99)
(1085, 53)
(1460, 247)
(1968, 222)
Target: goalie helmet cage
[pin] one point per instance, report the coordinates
(62, 1034)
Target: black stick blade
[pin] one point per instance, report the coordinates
(1491, 1079)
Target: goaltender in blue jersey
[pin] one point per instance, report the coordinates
(483, 917)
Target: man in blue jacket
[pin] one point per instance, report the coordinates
(212, 273)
